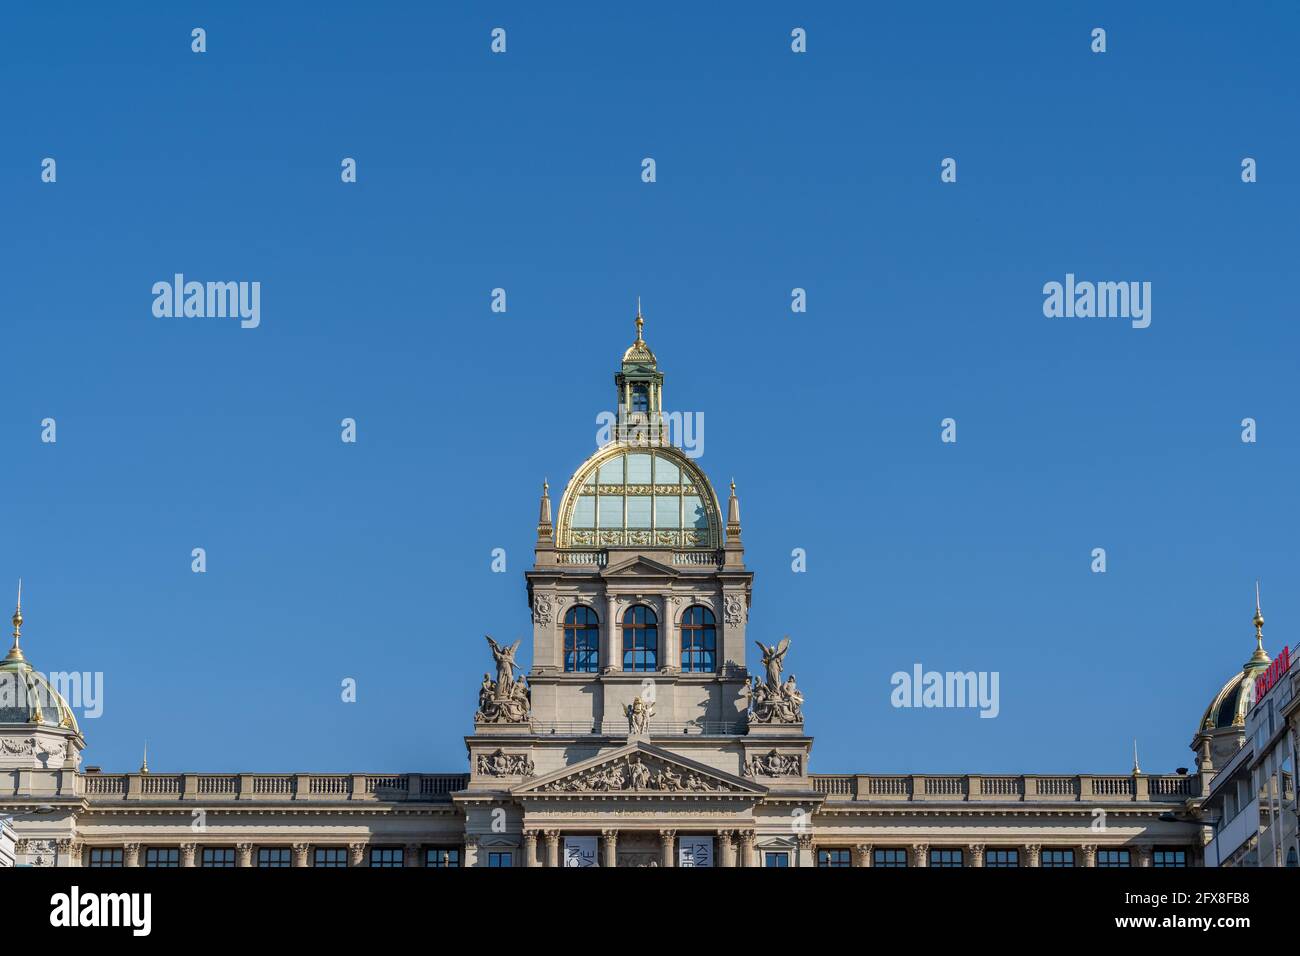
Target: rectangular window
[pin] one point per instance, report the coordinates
(106, 856)
(666, 472)
(274, 856)
(584, 512)
(389, 856)
(945, 858)
(1169, 858)
(1113, 858)
(500, 859)
(638, 469)
(610, 508)
(889, 858)
(693, 509)
(638, 511)
(167, 857)
(442, 856)
(218, 856)
(668, 511)
(833, 858)
(1056, 858)
(1002, 858)
(776, 859)
(330, 856)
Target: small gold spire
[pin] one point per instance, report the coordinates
(144, 764)
(1136, 768)
(1260, 654)
(16, 652)
(640, 320)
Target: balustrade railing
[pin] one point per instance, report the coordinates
(1003, 787)
(271, 787)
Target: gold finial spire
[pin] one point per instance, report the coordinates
(640, 320)
(144, 764)
(1260, 654)
(1136, 768)
(16, 652)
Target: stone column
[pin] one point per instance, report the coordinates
(131, 854)
(471, 849)
(862, 854)
(806, 855)
(919, 852)
(300, 854)
(552, 848)
(244, 853)
(530, 848)
(1144, 856)
(1031, 852)
(747, 848)
(187, 853)
(667, 844)
(976, 854)
(411, 855)
(726, 848)
(611, 660)
(670, 644)
(356, 854)
(1089, 854)
(609, 848)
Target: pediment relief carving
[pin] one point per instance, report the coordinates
(640, 772)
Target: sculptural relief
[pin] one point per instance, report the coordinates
(505, 700)
(771, 701)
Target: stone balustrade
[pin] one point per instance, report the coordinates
(272, 787)
(1171, 788)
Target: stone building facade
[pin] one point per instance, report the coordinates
(638, 737)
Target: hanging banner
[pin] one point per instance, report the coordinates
(695, 851)
(580, 851)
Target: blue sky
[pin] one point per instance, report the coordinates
(774, 170)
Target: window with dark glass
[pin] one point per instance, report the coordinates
(640, 398)
(499, 859)
(381, 856)
(218, 856)
(776, 858)
(1170, 858)
(442, 856)
(1113, 858)
(833, 858)
(106, 856)
(167, 857)
(330, 856)
(581, 640)
(945, 858)
(640, 639)
(274, 856)
(699, 641)
(1001, 858)
(1056, 858)
(888, 858)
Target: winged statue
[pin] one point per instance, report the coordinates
(772, 660)
(505, 660)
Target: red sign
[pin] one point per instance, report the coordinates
(1265, 681)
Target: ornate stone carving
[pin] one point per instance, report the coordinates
(17, 748)
(543, 609)
(639, 713)
(632, 774)
(505, 700)
(771, 701)
(39, 852)
(774, 764)
(502, 764)
(357, 853)
(734, 609)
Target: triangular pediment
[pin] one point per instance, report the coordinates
(640, 769)
(639, 566)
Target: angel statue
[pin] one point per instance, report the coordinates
(639, 713)
(772, 658)
(505, 659)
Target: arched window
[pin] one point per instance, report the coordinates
(699, 641)
(640, 639)
(581, 640)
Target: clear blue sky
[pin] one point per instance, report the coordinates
(775, 170)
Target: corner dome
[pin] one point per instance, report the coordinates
(1228, 707)
(639, 496)
(26, 696)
